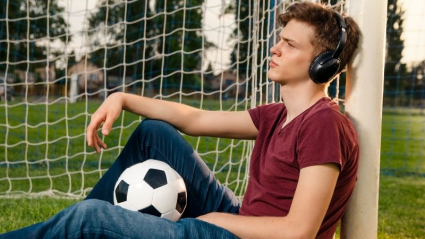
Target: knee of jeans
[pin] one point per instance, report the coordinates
(91, 204)
(149, 126)
(86, 212)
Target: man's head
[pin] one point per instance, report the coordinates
(326, 32)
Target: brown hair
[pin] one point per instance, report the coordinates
(325, 25)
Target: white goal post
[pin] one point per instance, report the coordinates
(364, 107)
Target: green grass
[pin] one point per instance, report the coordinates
(401, 209)
(402, 184)
(39, 161)
(402, 144)
(21, 212)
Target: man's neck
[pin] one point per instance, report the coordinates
(299, 97)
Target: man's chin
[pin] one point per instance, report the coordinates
(272, 75)
(275, 78)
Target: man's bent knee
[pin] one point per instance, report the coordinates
(155, 127)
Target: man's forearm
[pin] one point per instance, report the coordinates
(190, 120)
(177, 114)
(257, 227)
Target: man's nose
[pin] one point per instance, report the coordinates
(274, 50)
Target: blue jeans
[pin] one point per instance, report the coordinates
(97, 217)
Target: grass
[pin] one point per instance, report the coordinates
(401, 209)
(21, 212)
(402, 184)
(402, 144)
(39, 161)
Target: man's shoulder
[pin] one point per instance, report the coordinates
(267, 109)
(266, 114)
(326, 115)
(326, 109)
(271, 105)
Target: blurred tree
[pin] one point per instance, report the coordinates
(417, 86)
(183, 44)
(395, 81)
(209, 78)
(149, 39)
(111, 34)
(26, 30)
(241, 56)
(254, 35)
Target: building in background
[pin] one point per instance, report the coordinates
(89, 77)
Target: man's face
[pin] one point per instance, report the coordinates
(292, 55)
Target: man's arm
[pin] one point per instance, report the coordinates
(189, 120)
(311, 201)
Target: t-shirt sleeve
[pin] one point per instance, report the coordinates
(264, 113)
(320, 140)
(255, 116)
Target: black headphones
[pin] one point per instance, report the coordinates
(325, 66)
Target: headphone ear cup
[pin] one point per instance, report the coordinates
(324, 67)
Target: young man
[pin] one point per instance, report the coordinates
(303, 166)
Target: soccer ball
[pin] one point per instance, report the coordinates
(152, 187)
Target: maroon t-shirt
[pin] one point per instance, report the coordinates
(319, 135)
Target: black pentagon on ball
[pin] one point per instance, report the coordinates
(121, 191)
(181, 202)
(150, 210)
(155, 178)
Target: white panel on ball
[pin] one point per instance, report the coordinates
(156, 164)
(174, 215)
(132, 174)
(127, 206)
(179, 185)
(164, 199)
(171, 175)
(140, 195)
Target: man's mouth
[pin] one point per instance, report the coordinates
(273, 64)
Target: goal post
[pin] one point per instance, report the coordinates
(365, 78)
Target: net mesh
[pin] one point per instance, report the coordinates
(403, 121)
(60, 59)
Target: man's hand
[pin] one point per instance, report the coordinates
(106, 114)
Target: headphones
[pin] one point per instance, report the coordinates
(325, 66)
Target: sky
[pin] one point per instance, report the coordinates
(217, 29)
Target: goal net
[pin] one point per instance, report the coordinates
(59, 59)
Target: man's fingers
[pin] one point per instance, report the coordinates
(100, 142)
(89, 136)
(96, 147)
(100, 118)
(107, 125)
(92, 133)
